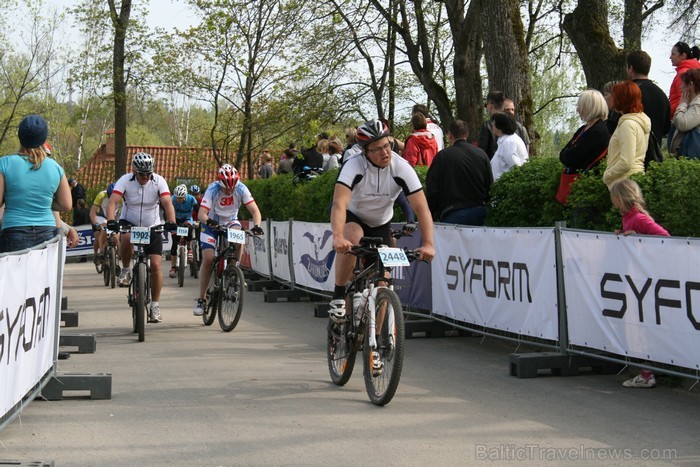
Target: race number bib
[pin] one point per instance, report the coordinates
(236, 236)
(393, 257)
(141, 235)
(182, 231)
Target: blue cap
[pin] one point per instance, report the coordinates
(32, 131)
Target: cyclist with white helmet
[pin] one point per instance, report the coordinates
(184, 204)
(143, 193)
(98, 217)
(220, 206)
(363, 203)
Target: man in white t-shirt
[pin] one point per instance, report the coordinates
(143, 192)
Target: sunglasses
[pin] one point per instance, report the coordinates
(144, 174)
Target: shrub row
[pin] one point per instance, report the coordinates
(523, 197)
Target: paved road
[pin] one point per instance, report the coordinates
(261, 395)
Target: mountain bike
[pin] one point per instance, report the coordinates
(194, 258)
(109, 265)
(375, 323)
(139, 295)
(225, 290)
(184, 253)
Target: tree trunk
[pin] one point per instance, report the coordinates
(587, 28)
(506, 56)
(120, 21)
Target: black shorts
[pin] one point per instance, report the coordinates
(383, 231)
(156, 245)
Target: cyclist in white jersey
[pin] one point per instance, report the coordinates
(143, 192)
(98, 213)
(363, 203)
(220, 206)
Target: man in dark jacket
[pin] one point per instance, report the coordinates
(77, 192)
(459, 180)
(655, 101)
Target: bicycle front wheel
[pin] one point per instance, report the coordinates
(106, 268)
(340, 351)
(212, 298)
(181, 265)
(231, 298)
(140, 291)
(194, 262)
(382, 365)
(112, 265)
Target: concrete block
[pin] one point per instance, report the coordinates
(69, 319)
(86, 343)
(99, 385)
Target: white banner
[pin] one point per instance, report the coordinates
(635, 296)
(497, 278)
(279, 239)
(28, 314)
(314, 258)
(258, 248)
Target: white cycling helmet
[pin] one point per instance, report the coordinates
(143, 162)
(180, 191)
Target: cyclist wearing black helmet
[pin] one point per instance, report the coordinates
(363, 203)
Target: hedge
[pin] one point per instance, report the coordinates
(523, 197)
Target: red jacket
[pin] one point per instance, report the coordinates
(675, 95)
(420, 148)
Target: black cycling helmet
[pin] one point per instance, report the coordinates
(371, 130)
(143, 162)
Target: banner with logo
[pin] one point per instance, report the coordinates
(258, 249)
(412, 284)
(635, 296)
(86, 241)
(28, 314)
(313, 255)
(497, 278)
(279, 250)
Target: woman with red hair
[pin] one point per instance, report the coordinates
(628, 144)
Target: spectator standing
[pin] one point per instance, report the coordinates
(430, 125)
(628, 144)
(487, 140)
(77, 192)
(654, 100)
(687, 117)
(322, 147)
(32, 186)
(285, 164)
(335, 148)
(509, 108)
(266, 170)
(590, 140)
(81, 216)
(684, 58)
(511, 148)
(627, 197)
(351, 147)
(459, 180)
(310, 158)
(420, 147)
(613, 115)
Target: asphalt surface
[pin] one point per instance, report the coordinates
(261, 395)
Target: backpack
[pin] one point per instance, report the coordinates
(653, 151)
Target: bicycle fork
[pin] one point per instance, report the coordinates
(372, 310)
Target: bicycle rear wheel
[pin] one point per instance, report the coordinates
(382, 366)
(340, 351)
(231, 298)
(181, 265)
(212, 298)
(140, 292)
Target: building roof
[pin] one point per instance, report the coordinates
(197, 165)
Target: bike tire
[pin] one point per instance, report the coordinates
(141, 301)
(181, 265)
(231, 299)
(112, 267)
(390, 346)
(106, 268)
(340, 351)
(194, 263)
(212, 298)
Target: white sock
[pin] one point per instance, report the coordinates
(154, 303)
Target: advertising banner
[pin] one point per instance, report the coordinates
(313, 255)
(280, 251)
(635, 296)
(28, 314)
(497, 278)
(86, 241)
(412, 284)
(258, 249)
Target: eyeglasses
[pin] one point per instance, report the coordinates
(379, 150)
(144, 174)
